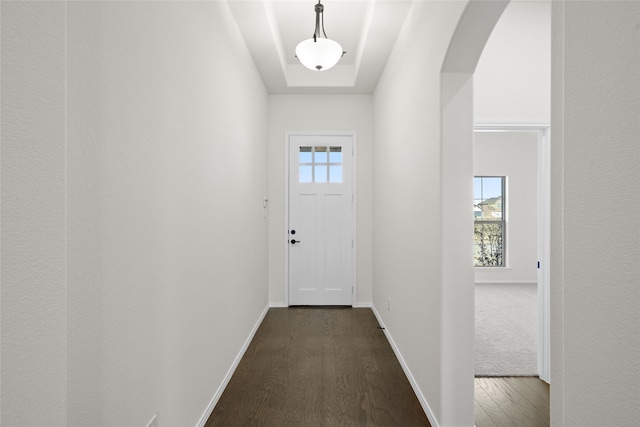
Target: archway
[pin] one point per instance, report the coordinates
(471, 35)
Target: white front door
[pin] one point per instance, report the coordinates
(320, 233)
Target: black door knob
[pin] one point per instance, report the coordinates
(294, 241)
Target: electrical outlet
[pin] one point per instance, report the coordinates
(388, 304)
(153, 422)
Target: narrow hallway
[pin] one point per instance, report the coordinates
(319, 366)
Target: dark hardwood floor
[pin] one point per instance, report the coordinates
(511, 401)
(319, 367)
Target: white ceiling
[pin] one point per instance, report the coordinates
(366, 30)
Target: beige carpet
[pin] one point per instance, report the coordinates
(506, 330)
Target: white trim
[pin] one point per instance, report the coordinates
(354, 214)
(363, 305)
(416, 389)
(515, 127)
(515, 282)
(280, 304)
(544, 257)
(544, 235)
(354, 184)
(285, 276)
(152, 421)
(232, 369)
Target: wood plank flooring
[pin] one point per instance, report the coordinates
(511, 402)
(319, 367)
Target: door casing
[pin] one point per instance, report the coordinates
(543, 240)
(353, 273)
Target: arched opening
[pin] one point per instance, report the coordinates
(465, 50)
(473, 30)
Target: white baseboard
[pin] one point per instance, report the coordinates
(500, 282)
(277, 305)
(362, 305)
(416, 389)
(234, 365)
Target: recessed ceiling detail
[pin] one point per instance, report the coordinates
(366, 30)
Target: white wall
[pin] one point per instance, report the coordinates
(136, 217)
(512, 82)
(595, 267)
(33, 280)
(514, 155)
(406, 201)
(320, 113)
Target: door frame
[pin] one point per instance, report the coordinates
(354, 199)
(543, 239)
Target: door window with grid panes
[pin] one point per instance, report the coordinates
(320, 164)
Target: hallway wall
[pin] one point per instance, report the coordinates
(407, 260)
(595, 254)
(33, 273)
(352, 113)
(134, 248)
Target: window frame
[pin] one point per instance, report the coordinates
(502, 222)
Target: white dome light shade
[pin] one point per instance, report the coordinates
(319, 55)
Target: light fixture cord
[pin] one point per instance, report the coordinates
(319, 8)
(323, 32)
(316, 33)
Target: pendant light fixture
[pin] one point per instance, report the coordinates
(319, 53)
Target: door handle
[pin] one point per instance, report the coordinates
(294, 241)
